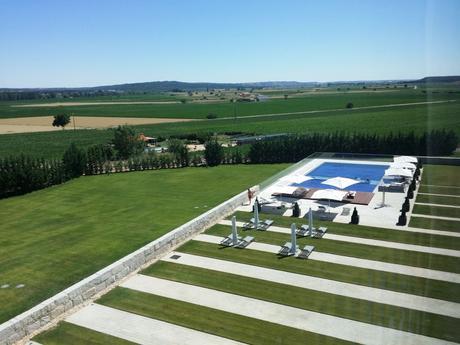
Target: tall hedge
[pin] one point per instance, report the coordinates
(296, 147)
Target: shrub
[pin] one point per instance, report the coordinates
(211, 116)
(296, 210)
(349, 105)
(402, 220)
(354, 217)
(126, 142)
(405, 205)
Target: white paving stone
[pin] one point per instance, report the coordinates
(350, 261)
(367, 241)
(403, 300)
(437, 205)
(284, 315)
(436, 217)
(140, 329)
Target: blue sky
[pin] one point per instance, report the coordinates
(85, 43)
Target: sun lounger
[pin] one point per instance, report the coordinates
(228, 241)
(305, 252)
(250, 224)
(286, 249)
(244, 242)
(318, 233)
(304, 230)
(350, 195)
(264, 225)
(345, 211)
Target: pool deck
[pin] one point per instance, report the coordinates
(369, 205)
(361, 198)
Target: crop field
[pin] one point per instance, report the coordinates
(308, 102)
(53, 238)
(417, 118)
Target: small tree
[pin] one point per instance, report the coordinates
(61, 120)
(296, 210)
(126, 141)
(286, 96)
(213, 153)
(349, 105)
(355, 217)
(74, 161)
(180, 152)
(410, 193)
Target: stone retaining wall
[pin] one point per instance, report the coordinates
(40, 316)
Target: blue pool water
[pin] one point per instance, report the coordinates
(369, 175)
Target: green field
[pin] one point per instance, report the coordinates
(314, 101)
(53, 238)
(414, 118)
(438, 211)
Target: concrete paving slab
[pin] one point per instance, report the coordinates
(367, 241)
(350, 261)
(140, 329)
(436, 217)
(350, 330)
(437, 205)
(403, 300)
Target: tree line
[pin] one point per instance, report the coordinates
(296, 147)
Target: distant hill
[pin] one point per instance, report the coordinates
(441, 79)
(162, 86)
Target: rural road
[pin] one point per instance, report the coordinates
(336, 110)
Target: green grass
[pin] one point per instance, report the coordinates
(384, 315)
(396, 256)
(439, 190)
(414, 118)
(313, 101)
(53, 238)
(70, 334)
(441, 175)
(379, 279)
(365, 231)
(441, 200)
(437, 211)
(437, 224)
(220, 323)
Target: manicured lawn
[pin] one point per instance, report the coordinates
(351, 308)
(364, 231)
(437, 211)
(396, 256)
(439, 190)
(437, 224)
(53, 238)
(441, 200)
(70, 334)
(379, 279)
(220, 323)
(441, 175)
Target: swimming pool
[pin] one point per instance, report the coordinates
(369, 175)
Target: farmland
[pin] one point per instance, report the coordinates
(418, 118)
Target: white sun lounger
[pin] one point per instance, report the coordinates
(318, 233)
(304, 230)
(244, 242)
(305, 252)
(228, 241)
(286, 249)
(264, 225)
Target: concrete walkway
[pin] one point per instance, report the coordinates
(398, 299)
(436, 205)
(350, 261)
(435, 217)
(435, 194)
(367, 241)
(140, 329)
(332, 326)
